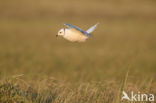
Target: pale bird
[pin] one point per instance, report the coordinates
(75, 34)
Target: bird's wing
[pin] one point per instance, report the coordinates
(91, 29)
(76, 28)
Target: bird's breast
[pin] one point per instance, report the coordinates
(75, 36)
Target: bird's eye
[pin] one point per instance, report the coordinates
(60, 32)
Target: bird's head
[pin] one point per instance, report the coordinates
(61, 32)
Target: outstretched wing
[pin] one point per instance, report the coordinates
(91, 29)
(72, 26)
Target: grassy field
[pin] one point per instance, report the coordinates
(37, 67)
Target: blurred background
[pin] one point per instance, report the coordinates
(124, 40)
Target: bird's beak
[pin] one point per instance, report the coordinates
(57, 35)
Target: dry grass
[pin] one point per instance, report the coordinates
(121, 56)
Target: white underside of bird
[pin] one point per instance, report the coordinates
(75, 34)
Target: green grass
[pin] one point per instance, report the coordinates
(37, 67)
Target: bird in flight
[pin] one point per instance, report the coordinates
(75, 34)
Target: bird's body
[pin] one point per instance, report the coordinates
(75, 34)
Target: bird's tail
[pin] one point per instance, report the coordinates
(91, 29)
